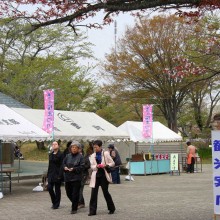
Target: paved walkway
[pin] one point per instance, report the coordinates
(153, 197)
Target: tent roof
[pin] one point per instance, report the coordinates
(160, 132)
(10, 102)
(70, 125)
(14, 127)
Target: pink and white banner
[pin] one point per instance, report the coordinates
(147, 121)
(48, 124)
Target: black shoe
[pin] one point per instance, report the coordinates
(111, 212)
(80, 206)
(73, 212)
(54, 207)
(90, 214)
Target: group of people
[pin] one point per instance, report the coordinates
(72, 166)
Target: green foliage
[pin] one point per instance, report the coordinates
(45, 59)
(203, 149)
(31, 152)
(205, 152)
(146, 70)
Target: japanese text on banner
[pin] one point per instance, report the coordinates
(216, 169)
(174, 162)
(48, 124)
(147, 121)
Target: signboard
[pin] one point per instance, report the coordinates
(48, 124)
(174, 162)
(216, 170)
(161, 156)
(147, 121)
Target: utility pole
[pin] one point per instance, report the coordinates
(115, 37)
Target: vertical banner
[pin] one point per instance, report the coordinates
(48, 123)
(174, 162)
(216, 170)
(147, 121)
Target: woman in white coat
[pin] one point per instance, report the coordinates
(100, 161)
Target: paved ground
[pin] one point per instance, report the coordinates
(153, 197)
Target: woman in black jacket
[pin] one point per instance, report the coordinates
(54, 175)
(73, 166)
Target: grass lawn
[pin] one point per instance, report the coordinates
(30, 152)
(207, 161)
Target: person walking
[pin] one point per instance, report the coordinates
(67, 150)
(191, 154)
(54, 175)
(85, 174)
(115, 171)
(100, 162)
(73, 165)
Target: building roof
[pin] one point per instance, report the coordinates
(10, 102)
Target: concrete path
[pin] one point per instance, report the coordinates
(153, 197)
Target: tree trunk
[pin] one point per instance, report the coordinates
(170, 114)
(40, 145)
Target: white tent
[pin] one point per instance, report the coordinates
(75, 125)
(14, 127)
(160, 132)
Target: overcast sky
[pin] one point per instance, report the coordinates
(104, 39)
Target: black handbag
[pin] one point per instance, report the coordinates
(107, 167)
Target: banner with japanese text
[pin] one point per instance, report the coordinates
(147, 121)
(48, 124)
(174, 162)
(216, 170)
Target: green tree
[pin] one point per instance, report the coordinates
(139, 68)
(47, 58)
(204, 92)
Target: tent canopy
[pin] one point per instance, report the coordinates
(76, 125)
(14, 127)
(160, 132)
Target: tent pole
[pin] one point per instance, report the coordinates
(129, 166)
(130, 161)
(1, 176)
(19, 164)
(19, 167)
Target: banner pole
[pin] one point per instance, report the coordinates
(48, 123)
(53, 115)
(1, 191)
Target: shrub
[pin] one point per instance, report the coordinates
(205, 152)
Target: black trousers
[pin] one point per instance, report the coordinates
(100, 181)
(55, 195)
(81, 197)
(72, 192)
(190, 167)
(115, 175)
